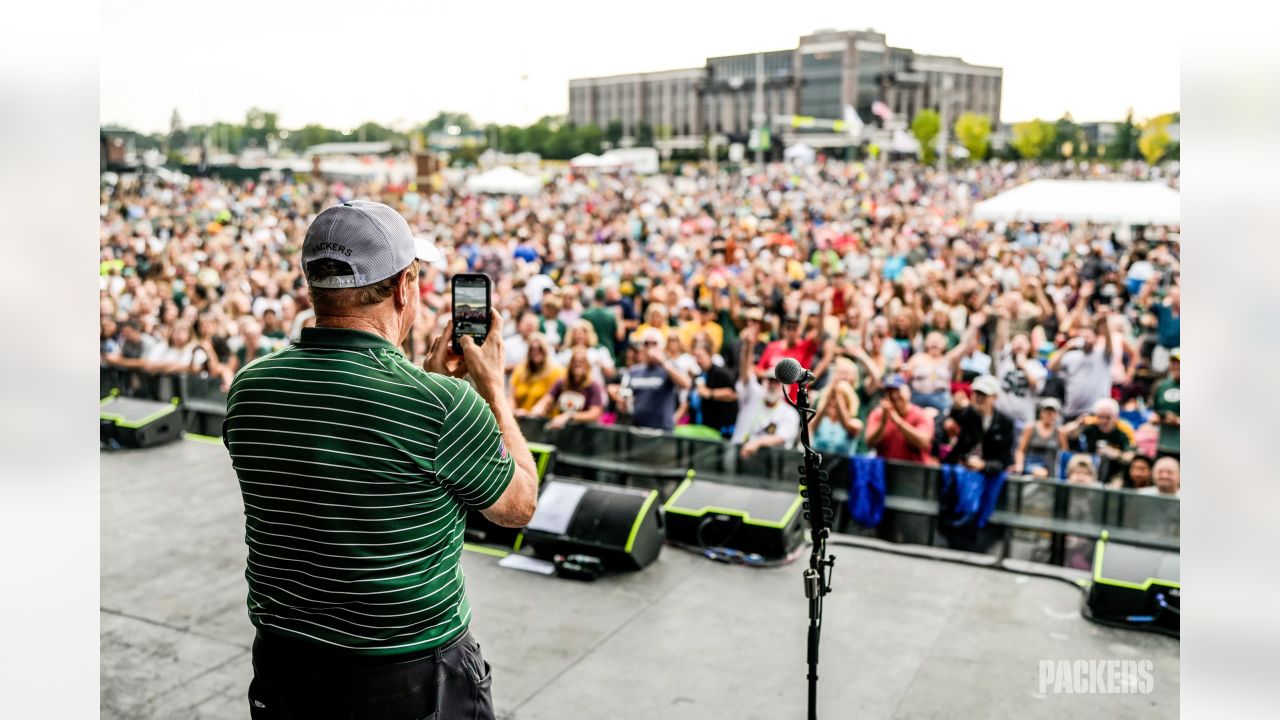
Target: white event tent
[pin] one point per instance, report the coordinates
(800, 153)
(1103, 202)
(504, 181)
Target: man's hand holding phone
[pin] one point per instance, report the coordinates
(484, 362)
(439, 358)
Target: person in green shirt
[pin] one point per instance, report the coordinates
(550, 323)
(1166, 400)
(272, 327)
(604, 319)
(253, 346)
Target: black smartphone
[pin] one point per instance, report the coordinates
(471, 308)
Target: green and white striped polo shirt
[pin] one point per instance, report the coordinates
(356, 469)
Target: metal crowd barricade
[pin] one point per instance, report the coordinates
(1042, 520)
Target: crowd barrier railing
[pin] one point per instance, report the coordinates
(1036, 519)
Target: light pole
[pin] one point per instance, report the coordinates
(757, 117)
(946, 121)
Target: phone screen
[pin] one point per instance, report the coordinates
(470, 308)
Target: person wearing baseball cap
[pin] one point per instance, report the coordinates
(985, 443)
(898, 430)
(1040, 443)
(336, 440)
(1166, 401)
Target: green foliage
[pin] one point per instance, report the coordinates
(1065, 130)
(925, 127)
(1031, 139)
(313, 134)
(536, 136)
(258, 126)
(445, 118)
(973, 131)
(589, 138)
(564, 144)
(644, 134)
(1124, 144)
(512, 139)
(613, 132)
(1155, 139)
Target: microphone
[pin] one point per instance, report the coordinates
(788, 372)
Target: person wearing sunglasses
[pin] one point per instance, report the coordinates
(654, 383)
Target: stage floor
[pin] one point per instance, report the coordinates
(685, 638)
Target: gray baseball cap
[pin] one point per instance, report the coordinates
(372, 238)
(986, 384)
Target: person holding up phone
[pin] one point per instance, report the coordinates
(356, 467)
(1085, 364)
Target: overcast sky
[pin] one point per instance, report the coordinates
(340, 64)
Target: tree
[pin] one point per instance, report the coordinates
(565, 143)
(974, 133)
(445, 118)
(925, 127)
(258, 126)
(1155, 138)
(644, 134)
(1031, 138)
(613, 132)
(177, 139)
(1065, 130)
(313, 134)
(511, 140)
(1122, 145)
(373, 132)
(589, 137)
(226, 136)
(537, 136)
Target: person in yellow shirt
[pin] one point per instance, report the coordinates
(533, 378)
(703, 322)
(655, 316)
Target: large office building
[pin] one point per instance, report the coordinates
(827, 71)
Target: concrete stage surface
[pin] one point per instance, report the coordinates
(685, 638)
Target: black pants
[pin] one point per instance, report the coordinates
(292, 680)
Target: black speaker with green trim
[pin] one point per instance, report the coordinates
(135, 423)
(622, 526)
(1135, 587)
(480, 529)
(705, 514)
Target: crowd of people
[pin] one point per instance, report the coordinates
(666, 301)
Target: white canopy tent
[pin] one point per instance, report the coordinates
(585, 160)
(800, 153)
(1105, 202)
(903, 142)
(504, 181)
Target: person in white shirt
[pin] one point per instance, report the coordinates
(764, 417)
(1168, 478)
(582, 336)
(516, 347)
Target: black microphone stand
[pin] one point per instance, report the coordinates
(817, 494)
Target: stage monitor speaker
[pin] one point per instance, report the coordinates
(135, 423)
(481, 530)
(1135, 587)
(621, 526)
(708, 514)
